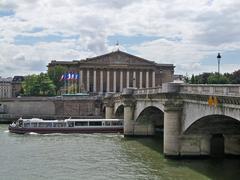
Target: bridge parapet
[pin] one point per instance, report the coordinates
(148, 91)
(213, 89)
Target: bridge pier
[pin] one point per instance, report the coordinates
(172, 127)
(232, 145)
(109, 112)
(128, 119)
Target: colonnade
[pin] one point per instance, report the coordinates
(101, 80)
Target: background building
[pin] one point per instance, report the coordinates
(5, 87)
(17, 85)
(10, 87)
(117, 70)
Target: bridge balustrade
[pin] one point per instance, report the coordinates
(226, 89)
(148, 91)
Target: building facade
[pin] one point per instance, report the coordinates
(5, 87)
(115, 71)
(17, 85)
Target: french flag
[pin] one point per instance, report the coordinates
(77, 76)
(62, 77)
(72, 76)
(69, 76)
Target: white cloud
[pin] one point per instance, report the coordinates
(201, 28)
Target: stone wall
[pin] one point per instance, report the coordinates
(50, 107)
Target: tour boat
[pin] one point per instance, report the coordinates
(36, 125)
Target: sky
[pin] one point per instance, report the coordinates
(188, 34)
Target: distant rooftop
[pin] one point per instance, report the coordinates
(8, 79)
(18, 78)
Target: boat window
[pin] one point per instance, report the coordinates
(107, 123)
(26, 125)
(34, 124)
(70, 124)
(20, 123)
(45, 124)
(117, 123)
(81, 123)
(95, 123)
(59, 124)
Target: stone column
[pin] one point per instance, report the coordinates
(134, 79)
(121, 81)
(108, 81)
(88, 81)
(172, 127)
(153, 78)
(80, 79)
(101, 81)
(94, 81)
(128, 118)
(140, 80)
(147, 79)
(127, 79)
(114, 82)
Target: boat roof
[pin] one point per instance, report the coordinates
(68, 120)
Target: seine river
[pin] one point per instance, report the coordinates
(101, 157)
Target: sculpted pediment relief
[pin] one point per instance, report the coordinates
(118, 58)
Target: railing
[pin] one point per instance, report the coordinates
(217, 89)
(147, 91)
(208, 89)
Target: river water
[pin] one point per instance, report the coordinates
(100, 157)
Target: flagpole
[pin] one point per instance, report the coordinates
(64, 78)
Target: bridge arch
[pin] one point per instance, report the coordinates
(119, 112)
(214, 124)
(141, 105)
(152, 116)
(222, 132)
(197, 111)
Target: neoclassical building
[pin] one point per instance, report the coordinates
(117, 70)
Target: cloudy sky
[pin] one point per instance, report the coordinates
(188, 34)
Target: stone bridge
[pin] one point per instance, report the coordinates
(194, 119)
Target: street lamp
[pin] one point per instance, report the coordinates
(218, 58)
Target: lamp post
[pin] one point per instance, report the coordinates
(218, 58)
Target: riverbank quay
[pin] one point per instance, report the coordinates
(59, 107)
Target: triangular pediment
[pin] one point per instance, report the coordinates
(118, 58)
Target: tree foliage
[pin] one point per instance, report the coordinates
(38, 85)
(215, 78)
(236, 77)
(55, 74)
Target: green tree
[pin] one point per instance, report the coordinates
(192, 81)
(55, 74)
(236, 77)
(46, 85)
(202, 78)
(30, 85)
(218, 79)
(37, 85)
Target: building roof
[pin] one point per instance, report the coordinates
(116, 57)
(8, 79)
(18, 79)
